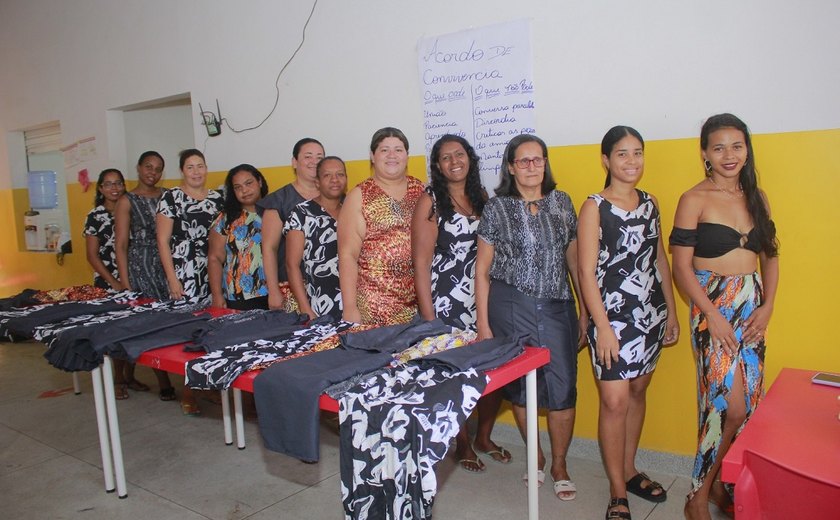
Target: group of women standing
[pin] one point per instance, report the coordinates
(511, 264)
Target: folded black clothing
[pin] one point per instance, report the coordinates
(83, 347)
(482, 355)
(24, 298)
(234, 329)
(25, 325)
(394, 338)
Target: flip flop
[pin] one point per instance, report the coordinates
(167, 394)
(540, 478)
(634, 485)
(499, 455)
(120, 391)
(137, 386)
(467, 464)
(565, 486)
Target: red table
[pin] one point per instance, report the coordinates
(173, 359)
(786, 462)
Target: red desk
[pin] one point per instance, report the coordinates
(173, 359)
(786, 462)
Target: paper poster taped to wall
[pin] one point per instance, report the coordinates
(478, 84)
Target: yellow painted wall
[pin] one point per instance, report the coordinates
(799, 171)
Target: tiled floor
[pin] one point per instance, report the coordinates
(179, 468)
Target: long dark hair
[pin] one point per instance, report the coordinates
(99, 198)
(440, 184)
(612, 137)
(233, 208)
(507, 186)
(748, 179)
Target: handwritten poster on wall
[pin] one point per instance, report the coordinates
(478, 84)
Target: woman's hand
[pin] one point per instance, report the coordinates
(352, 315)
(606, 346)
(116, 285)
(176, 290)
(484, 333)
(219, 302)
(755, 326)
(275, 300)
(583, 327)
(672, 330)
(721, 333)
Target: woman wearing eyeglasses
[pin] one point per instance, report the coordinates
(99, 230)
(527, 254)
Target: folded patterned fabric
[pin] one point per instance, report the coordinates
(429, 346)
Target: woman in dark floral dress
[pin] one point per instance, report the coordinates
(99, 230)
(444, 245)
(185, 214)
(312, 243)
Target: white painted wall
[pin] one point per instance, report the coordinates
(659, 65)
(167, 130)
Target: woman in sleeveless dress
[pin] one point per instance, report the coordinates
(444, 246)
(374, 237)
(136, 249)
(626, 284)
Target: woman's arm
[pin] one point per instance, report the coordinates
(424, 234)
(756, 324)
(687, 216)
(588, 248)
(272, 232)
(92, 252)
(164, 235)
(572, 263)
(351, 234)
(672, 327)
(122, 226)
(295, 242)
(483, 262)
(216, 257)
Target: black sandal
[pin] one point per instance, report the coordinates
(167, 394)
(634, 485)
(618, 502)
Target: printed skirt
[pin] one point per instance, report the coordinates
(736, 297)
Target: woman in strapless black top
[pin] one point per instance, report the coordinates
(722, 235)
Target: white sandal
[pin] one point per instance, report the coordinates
(565, 486)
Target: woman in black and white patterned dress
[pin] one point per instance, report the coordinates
(443, 250)
(99, 230)
(626, 284)
(312, 243)
(185, 214)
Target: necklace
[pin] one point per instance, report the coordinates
(735, 194)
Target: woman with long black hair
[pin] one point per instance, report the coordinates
(725, 257)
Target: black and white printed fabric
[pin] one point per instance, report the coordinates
(394, 428)
(83, 347)
(48, 332)
(19, 324)
(100, 225)
(235, 329)
(218, 369)
(287, 393)
(396, 425)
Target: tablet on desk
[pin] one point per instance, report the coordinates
(825, 378)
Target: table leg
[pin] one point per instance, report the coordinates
(77, 388)
(102, 426)
(238, 417)
(114, 427)
(533, 432)
(226, 417)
